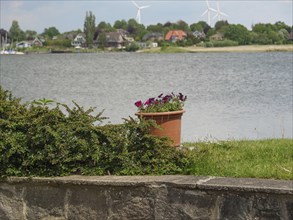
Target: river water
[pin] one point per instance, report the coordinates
(230, 95)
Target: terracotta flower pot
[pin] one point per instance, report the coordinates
(169, 123)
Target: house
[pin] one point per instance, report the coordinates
(123, 32)
(154, 36)
(142, 45)
(154, 44)
(175, 35)
(37, 42)
(199, 34)
(217, 36)
(79, 40)
(115, 40)
(23, 44)
(290, 36)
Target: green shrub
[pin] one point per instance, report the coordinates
(224, 43)
(218, 43)
(36, 140)
(209, 44)
(132, 47)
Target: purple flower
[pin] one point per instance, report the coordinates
(138, 104)
(150, 101)
(181, 97)
(169, 102)
(167, 98)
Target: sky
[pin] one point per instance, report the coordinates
(69, 15)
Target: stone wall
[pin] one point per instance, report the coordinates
(145, 197)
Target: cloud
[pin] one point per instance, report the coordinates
(15, 4)
(68, 15)
(286, 1)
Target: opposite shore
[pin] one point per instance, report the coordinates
(172, 49)
(245, 48)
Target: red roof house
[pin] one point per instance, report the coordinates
(175, 35)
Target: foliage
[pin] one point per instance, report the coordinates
(58, 43)
(132, 47)
(51, 32)
(120, 24)
(106, 27)
(36, 140)
(221, 43)
(89, 28)
(167, 48)
(163, 103)
(261, 33)
(156, 28)
(102, 40)
(237, 33)
(270, 33)
(15, 33)
(30, 35)
(199, 26)
(221, 24)
(182, 25)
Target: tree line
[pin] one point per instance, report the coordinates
(260, 33)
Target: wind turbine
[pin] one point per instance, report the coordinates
(208, 12)
(138, 10)
(219, 13)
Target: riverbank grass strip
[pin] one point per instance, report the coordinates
(258, 159)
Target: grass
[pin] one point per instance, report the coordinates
(168, 49)
(242, 48)
(254, 159)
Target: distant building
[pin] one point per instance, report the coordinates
(290, 36)
(175, 35)
(23, 44)
(79, 40)
(154, 44)
(217, 36)
(199, 34)
(142, 45)
(3, 38)
(154, 36)
(37, 42)
(117, 39)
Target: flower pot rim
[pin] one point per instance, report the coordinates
(159, 113)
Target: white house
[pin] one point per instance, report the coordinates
(23, 44)
(79, 40)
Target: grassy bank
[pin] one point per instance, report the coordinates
(256, 159)
(247, 48)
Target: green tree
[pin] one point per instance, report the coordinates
(30, 35)
(135, 29)
(237, 32)
(199, 26)
(156, 28)
(182, 25)
(102, 40)
(283, 34)
(122, 24)
(220, 24)
(15, 33)
(281, 25)
(89, 28)
(51, 32)
(103, 26)
(259, 38)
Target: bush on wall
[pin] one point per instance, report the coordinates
(36, 140)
